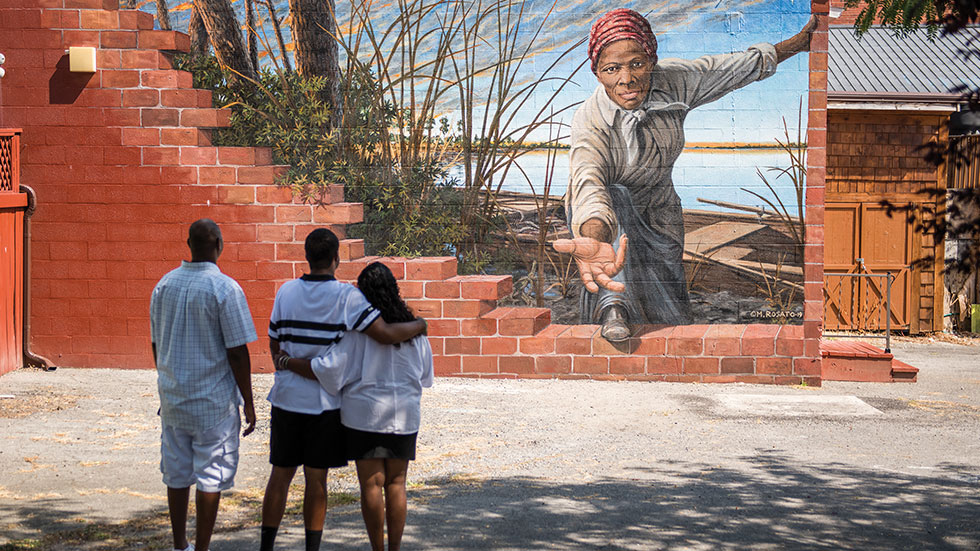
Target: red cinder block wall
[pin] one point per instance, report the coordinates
(122, 162)
(848, 15)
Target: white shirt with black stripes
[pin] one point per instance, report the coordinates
(309, 316)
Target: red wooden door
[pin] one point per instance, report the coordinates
(862, 239)
(12, 207)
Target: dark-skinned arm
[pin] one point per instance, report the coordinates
(273, 348)
(393, 333)
(241, 368)
(299, 366)
(379, 330)
(596, 229)
(800, 42)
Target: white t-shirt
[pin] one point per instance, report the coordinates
(309, 317)
(381, 384)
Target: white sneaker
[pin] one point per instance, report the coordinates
(190, 547)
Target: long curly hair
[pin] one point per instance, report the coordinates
(380, 288)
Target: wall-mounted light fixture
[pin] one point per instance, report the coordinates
(81, 59)
(3, 71)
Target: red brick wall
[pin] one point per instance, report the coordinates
(848, 16)
(472, 337)
(816, 184)
(122, 163)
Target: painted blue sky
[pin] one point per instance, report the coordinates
(752, 114)
(684, 29)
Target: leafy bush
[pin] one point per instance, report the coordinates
(408, 211)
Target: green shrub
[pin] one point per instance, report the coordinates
(408, 211)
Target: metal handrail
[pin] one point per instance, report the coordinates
(888, 306)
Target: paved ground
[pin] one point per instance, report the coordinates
(515, 465)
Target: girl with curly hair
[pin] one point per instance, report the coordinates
(381, 391)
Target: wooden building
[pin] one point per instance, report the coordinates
(888, 96)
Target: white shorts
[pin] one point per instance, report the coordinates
(208, 457)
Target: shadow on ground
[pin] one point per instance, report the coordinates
(764, 502)
(769, 502)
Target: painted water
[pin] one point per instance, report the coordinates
(715, 174)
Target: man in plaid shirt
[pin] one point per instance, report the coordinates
(200, 326)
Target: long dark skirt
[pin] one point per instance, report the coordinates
(656, 287)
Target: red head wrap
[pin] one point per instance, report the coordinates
(621, 24)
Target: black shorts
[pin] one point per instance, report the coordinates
(316, 441)
(379, 445)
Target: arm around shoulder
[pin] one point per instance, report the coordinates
(328, 369)
(393, 333)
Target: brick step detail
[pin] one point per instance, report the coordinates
(167, 41)
(163, 79)
(164, 41)
(660, 378)
(187, 117)
(861, 362)
(112, 59)
(60, 17)
(143, 78)
(467, 287)
(586, 340)
(175, 97)
(105, 20)
(109, 5)
(637, 368)
(412, 273)
(175, 137)
(227, 160)
(351, 249)
(903, 372)
(170, 148)
(517, 321)
(852, 349)
(273, 197)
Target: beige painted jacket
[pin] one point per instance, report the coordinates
(599, 156)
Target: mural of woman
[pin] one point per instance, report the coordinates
(624, 214)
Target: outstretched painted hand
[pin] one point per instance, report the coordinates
(597, 262)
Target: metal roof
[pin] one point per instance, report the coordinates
(880, 62)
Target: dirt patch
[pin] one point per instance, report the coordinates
(40, 400)
(964, 339)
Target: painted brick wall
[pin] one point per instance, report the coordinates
(122, 163)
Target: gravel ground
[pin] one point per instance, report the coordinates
(512, 465)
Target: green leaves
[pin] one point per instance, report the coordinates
(903, 16)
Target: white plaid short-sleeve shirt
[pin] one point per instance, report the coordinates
(196, 314)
